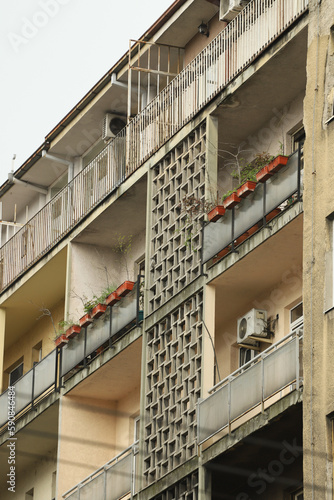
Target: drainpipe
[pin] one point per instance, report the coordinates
(69, 164)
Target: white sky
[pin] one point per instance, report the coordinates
(52, 53)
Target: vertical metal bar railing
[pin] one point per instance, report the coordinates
(240, 42)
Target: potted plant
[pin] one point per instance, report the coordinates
(216, 213)
(72, 331)
(277, 163)
(85, 320)
(125, 288)
(98, 310)
(231, 200)
(112, 299)
(263, 174)
(61, 340)
(246, 189)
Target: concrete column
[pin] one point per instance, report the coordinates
(211, 180)
(204, 483)
(208, 353)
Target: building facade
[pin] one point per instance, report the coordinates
(181, 218)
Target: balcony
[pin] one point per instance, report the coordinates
(252, 388)
(112, 481)
(258, 24)
(269, 198)
(47, 375)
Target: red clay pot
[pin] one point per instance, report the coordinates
(246, 189)
(277, 163)
(85, 320)
(112, 299)
(125, 288)
(61, 340)
(98, 310)
(231, 201)
(72, 331)
(216, 213)
(263, 174)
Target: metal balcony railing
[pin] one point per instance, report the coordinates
(253, 384)
(111, 482)
(46, 376)
(282, 188)
(257, 25)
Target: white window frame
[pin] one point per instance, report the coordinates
(298, 322)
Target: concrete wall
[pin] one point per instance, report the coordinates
(198, 42)
(94, 268)
(318, 205)
(42, 331)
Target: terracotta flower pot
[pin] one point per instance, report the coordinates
(221, 254)
(98, 310)
(112, 299)
(72, 331)
(85, 320)
(231, 201)
(216, 213)
(241, 238)
(61, 340)
(277, 163)
(263, 174)
(246, 189)
(125, 288)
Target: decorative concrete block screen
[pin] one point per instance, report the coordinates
(173, 382)
(187, 489)
(175, 255)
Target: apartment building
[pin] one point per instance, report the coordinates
(200, 365)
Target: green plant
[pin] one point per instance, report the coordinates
(123, 247)
(97, 299)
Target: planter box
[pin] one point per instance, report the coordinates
(272, 214)
(85, 320)
(246, 189)
(98, 310)
(231, 201)
(125, 288)
(277, 163)
(264, 174)
(112, 299)
(221, 254)
(72, 331)
(61, 340)
(241, 238)
(216, 213)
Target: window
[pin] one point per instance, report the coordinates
(37, 353)
(298, 140)
(15, 374)
(298, 495)
(296, 317)
(246, 355)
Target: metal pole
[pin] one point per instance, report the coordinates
(85, 347)
(110, 327)
(264, 203)
(299, 171)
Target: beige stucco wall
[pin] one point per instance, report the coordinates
(318, 204)
(198, 42)
(278, 300)
(86, 439)
(38, 477)
(42, 331)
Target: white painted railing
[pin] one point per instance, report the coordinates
(252, 385)
(257, 25)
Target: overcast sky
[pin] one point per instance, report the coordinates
(52, 53)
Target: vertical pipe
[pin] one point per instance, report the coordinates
(129, 84)
(297, 360)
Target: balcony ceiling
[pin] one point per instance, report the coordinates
(45, 288)
(254, 275)
(35, 442)
(248, 111)
(127, 215)
(114, 380)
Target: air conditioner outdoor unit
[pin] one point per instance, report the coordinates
(252, 323)
(112, 125)
(229, 9)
